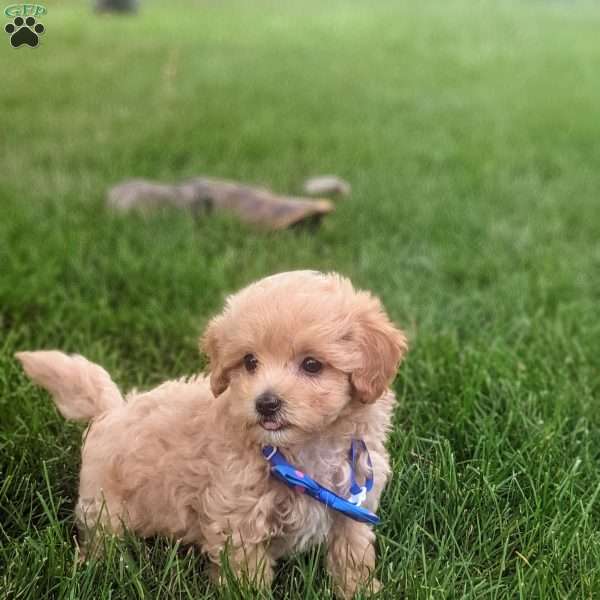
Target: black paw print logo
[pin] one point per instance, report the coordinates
(24, 32)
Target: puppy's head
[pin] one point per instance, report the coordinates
(293, 350)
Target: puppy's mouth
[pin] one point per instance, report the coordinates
(273, 424)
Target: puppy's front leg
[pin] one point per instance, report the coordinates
(248, 562)
(351, 557)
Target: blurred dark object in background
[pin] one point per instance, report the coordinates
(116, 6)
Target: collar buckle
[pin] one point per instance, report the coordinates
(271, 451)
(359, 497)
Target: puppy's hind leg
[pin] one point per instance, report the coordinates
(96, 522)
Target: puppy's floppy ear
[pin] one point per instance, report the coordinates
(381, 347)
(212, 344)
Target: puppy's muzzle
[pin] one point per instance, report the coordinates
(268, 404)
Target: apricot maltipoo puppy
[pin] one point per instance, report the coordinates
(279, 448)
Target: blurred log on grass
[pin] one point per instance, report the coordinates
(200, 195)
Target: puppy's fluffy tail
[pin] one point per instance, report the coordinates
(82, 390)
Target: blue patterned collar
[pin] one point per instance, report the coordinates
(302, 483)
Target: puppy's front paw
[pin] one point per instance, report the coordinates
(375, 586)
(351, 559)
(250, 565)
(354, 583)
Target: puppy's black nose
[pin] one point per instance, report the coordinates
(268, 404)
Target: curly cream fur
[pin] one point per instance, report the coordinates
(184, 459)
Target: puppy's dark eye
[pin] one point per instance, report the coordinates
(250, 362)
(311, 365)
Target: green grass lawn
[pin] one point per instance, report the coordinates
(470, 133)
